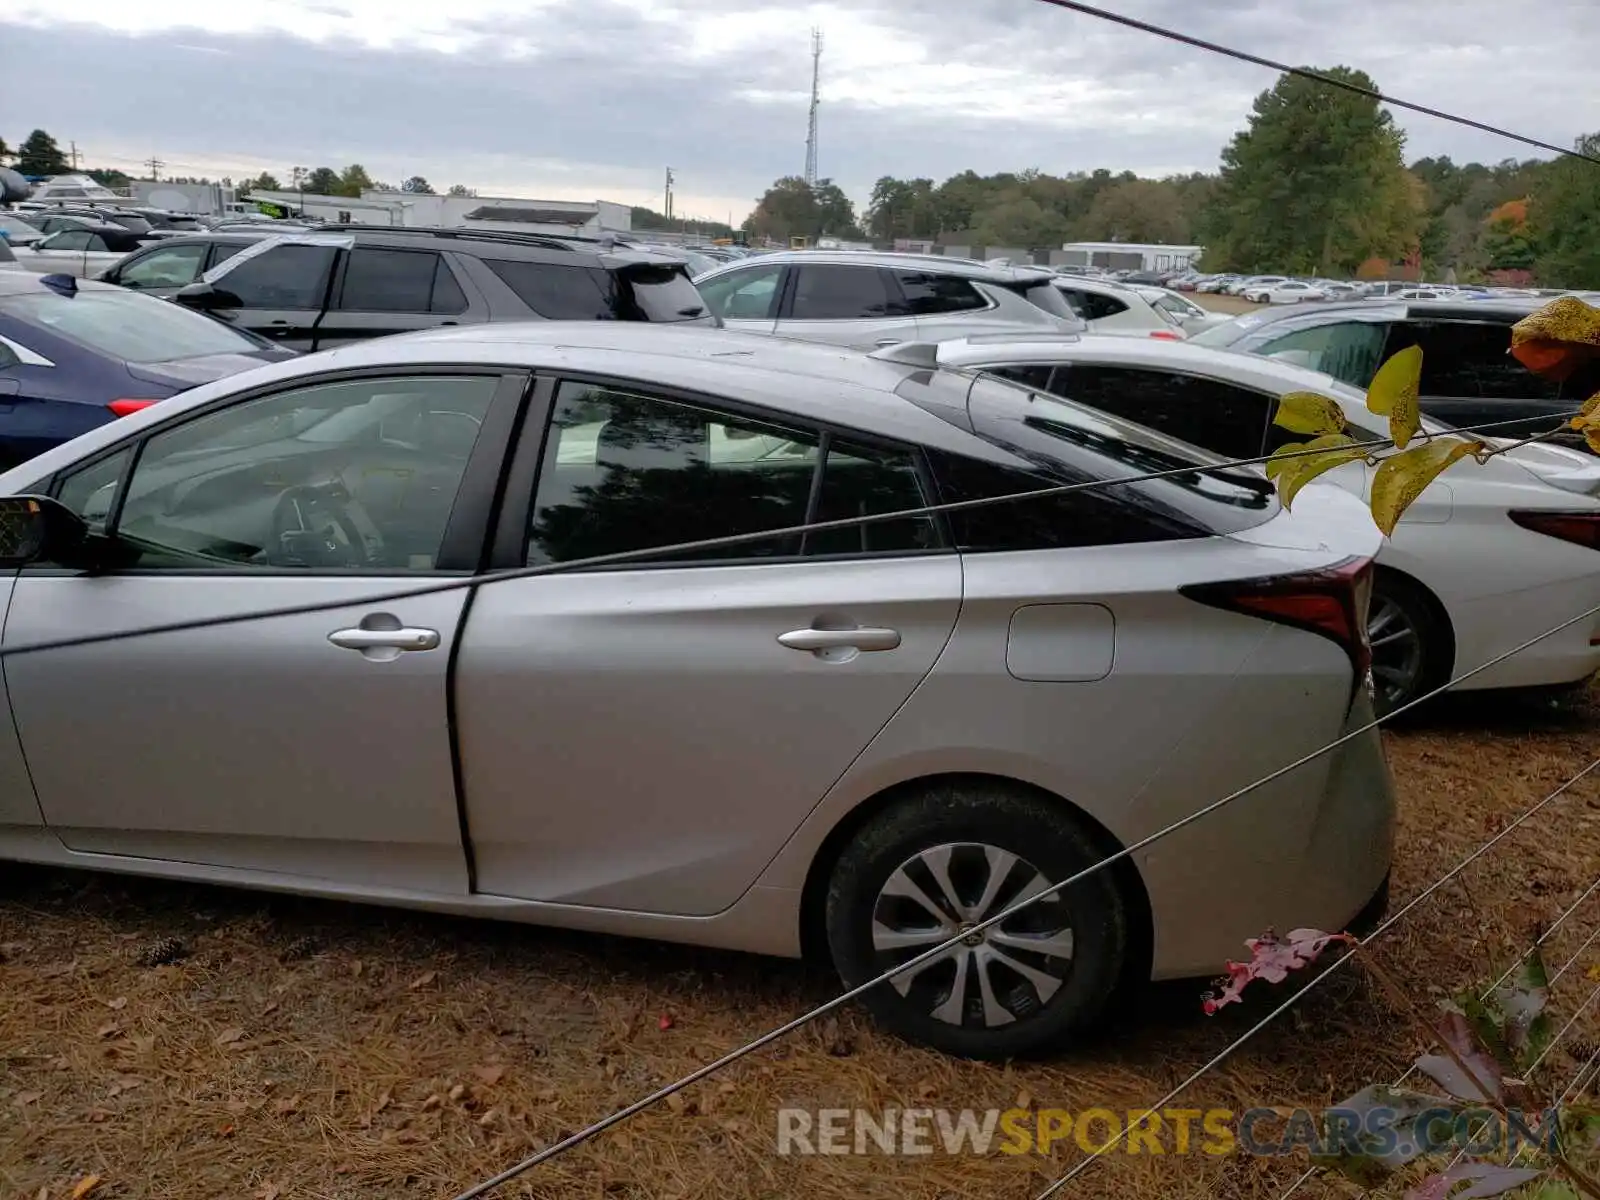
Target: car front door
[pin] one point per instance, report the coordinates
(314, 745)
(64, 252)
(848, 304)
(746, 299)
(646, 735)
(162, 270)
(381, 291)
(281, 291)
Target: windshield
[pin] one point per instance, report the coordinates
(132, 223)
(136, 329)
(1228, 332)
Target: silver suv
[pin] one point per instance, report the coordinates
(853, 298)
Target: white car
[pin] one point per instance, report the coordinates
(1244, 282)
(84, 252)
(1108, 307)
(1486, 558)
(1290, 291)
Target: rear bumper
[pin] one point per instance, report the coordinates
(1318, 862)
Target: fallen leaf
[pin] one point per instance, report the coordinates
(229, 1036)
(1024, 1100)
(226, 1131)
(285, 1107)
(664, 1021)
(98, 1115)
(1594, 972)
(108, 1031)
(423, 980)
(489, 1118)
(355, 969)
(457, 1092)
(84, 1186)
(432, 1102)
(383, 1102)
(675, 1102)
(23, 1099)
(269, 1009)
(118, 1003)
(489, 1074)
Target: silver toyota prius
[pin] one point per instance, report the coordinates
(751, 694)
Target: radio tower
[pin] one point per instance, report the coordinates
(816, 98)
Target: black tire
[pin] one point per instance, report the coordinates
(1405, 611)
(1043, 836)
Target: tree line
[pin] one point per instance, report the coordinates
(1315, 183)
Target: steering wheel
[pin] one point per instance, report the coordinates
(312, 526)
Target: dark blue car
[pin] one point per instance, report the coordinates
(75, 354)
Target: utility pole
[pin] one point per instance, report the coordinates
(298, 174)
(155, 165)
(667, 198)
(816, 98)
(74, 153)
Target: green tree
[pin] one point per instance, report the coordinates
(417, 186)
(1016, 219)
(5, 151)
(39, 155)
(793, 208)
(1136, 210)
(353, 180)
(324, 181)
(460, 189)
(902, 208)
(1564, 220)
(1315, 182)
(109, 178)
(1507, 244)
(263, 182)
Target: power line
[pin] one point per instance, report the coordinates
(616, 1118)
(1186, 39)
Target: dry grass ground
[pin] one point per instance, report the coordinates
(1226, 304)
(310, 1050)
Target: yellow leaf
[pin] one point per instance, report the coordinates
(1393, 394)
(1307, 412)
(1297, 472)
(84, 1186)
(1280, 460)
(1592, 436)
(1401, 478)
(1594, 973)
(1589, 414)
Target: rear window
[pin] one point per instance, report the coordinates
(555, 291)
(137, 329)
(1066, 443)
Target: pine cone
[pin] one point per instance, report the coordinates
(161, 951)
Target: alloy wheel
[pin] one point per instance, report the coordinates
(1396, 651)
(994, 976)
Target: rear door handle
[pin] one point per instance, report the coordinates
(385, 639)
(834, 639)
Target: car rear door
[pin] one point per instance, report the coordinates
(314, 745)
(848, 304)
(646, 735)
(282, 289)
(381, 290)
(1469, 377)
(746, 299)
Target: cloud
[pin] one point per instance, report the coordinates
(595, 98)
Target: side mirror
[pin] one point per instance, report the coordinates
(203, 296)
(37, 527)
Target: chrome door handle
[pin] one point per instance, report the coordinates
(833, 639)
(385, 639)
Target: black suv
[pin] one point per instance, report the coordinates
(310, 291)
(1469, 377)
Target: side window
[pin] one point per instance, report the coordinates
(173, 266)
(357, 475)
(837, 292)
(1469, 359)
(749, 295)
(284, 277)
(1036, 377)
(89, 490)
(388, 280)
(928, 294)
(1219, 417)
(98, 242)
(625, 472)
(447, 294)
(553, 291)
(1091, 306)
(1350, 351)
(70, 239)
(1094, 517)
(221, 252)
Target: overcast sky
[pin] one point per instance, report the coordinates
(591, 99)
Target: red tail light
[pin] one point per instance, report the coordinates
(1332, 602)
(1167, 335)
(1582, 528)
(123, 408)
